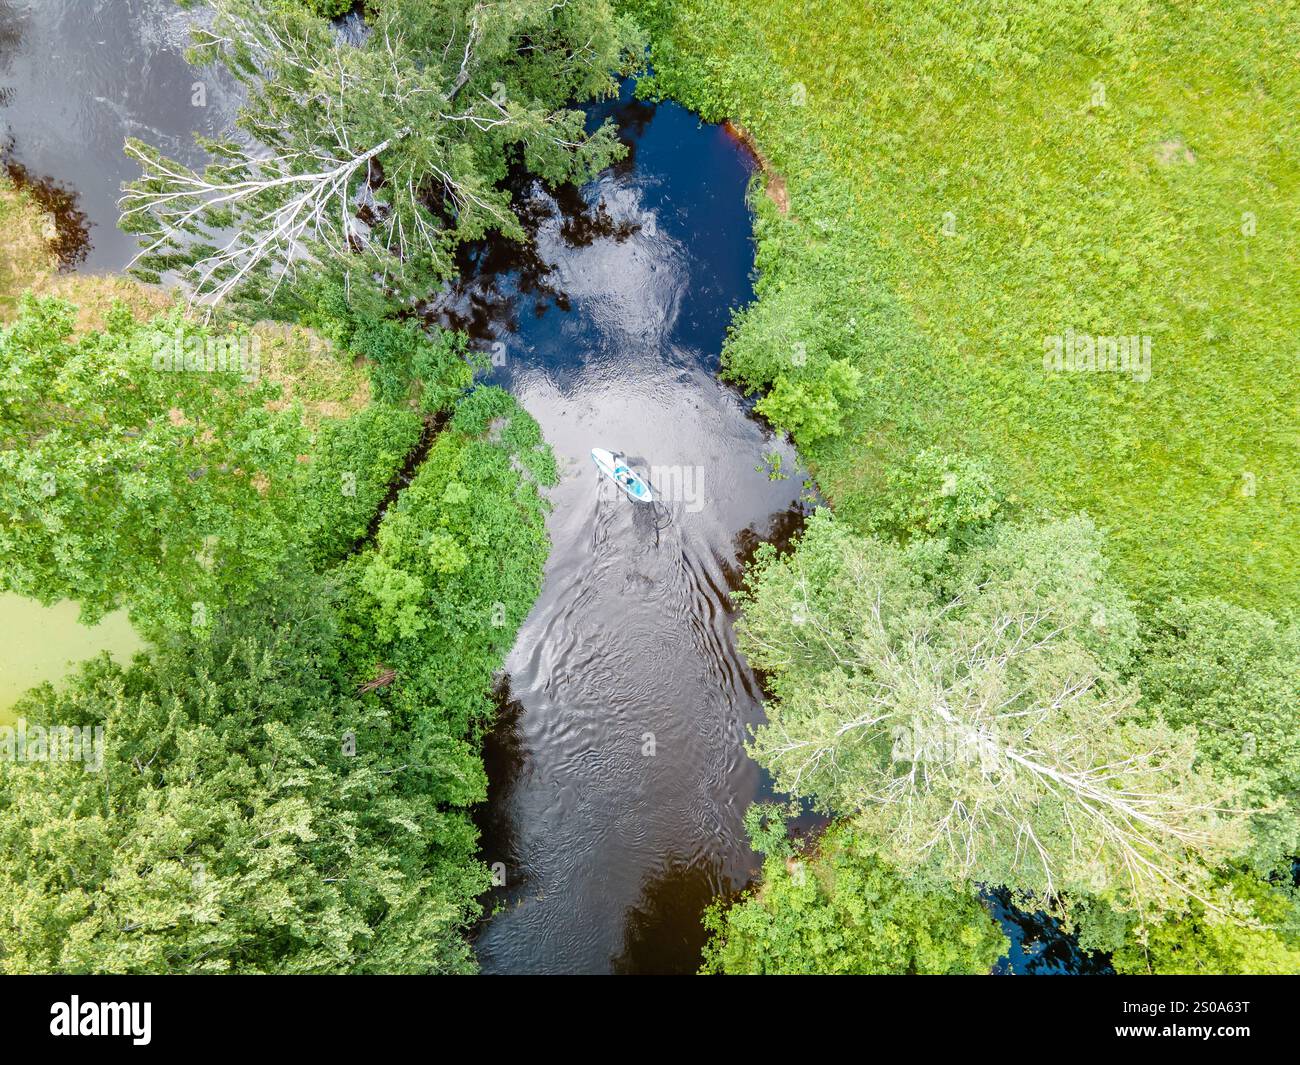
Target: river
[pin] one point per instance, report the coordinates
(618, 772)
(77, 77)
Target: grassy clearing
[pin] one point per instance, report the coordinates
(296, 359)
(24, 250)
(28, 263)
(965, 182)
(308, 372)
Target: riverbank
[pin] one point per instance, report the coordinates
(969, 195)
(365, 585)
(30, 239)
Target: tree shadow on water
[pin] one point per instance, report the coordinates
(505, 761)
(70, 239)
(1039, 946)
(664, 935)
(497, 276)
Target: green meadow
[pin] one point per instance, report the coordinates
(950, 187)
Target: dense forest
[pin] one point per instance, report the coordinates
(1028, 323)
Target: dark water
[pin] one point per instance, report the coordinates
(77, 77)
(618, 775)
(1038, 946)
(619, 778)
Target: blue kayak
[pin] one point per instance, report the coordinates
(616, 469)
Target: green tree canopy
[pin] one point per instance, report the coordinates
(229, 829)
(152, 465)
(455, 565)
(844, 910)
(977, 722)
(935, 493)
(1234, 674)
(1252, 928)
(285, 790)
(125, 475)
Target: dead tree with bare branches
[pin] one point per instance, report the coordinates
(385, 155)
(979, 723)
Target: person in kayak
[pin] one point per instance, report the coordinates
(614, 465)
(624, 475)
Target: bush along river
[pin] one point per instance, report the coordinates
(618, 776)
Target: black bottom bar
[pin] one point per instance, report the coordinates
(335, 1016)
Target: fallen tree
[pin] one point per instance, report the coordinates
(386, 154)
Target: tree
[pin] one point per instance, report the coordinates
(155, 465)
(251, 814)
(455, 565)
(285, 790)
(1252, 929)
(1234, 674)
(324, 8)
(812, 407)
(141, 463)
(386, 154)
(937, 494)
(843, 910)
(978, 726)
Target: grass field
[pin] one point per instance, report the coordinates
(965, 182)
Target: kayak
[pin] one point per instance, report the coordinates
(616, 469)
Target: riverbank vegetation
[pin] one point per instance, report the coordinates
(963, 185)
(335, 688)
(972, 712)
(30, 265)
(845, 911)
(1016, 264)
(988, 708)
(289, 782)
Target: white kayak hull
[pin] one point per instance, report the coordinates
(613, 467)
